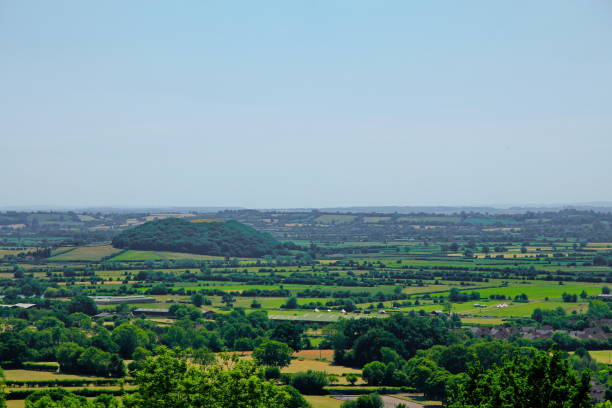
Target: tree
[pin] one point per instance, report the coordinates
(598, 310)
(139, 356)
(374, 373)
(419, 370)
(82, 304)
(455, 358)
(13, 350)
(296, 400)
(367, 347)
(2, 391)
(167, 381)
(537, 315)
(291, 303)
(544, 381)
(309, 382)
(289, 333)
(352, 379)
(197, 299)
(128, 337)
(273, 353)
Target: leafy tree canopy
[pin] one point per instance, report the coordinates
(167, 381)
(273, 353)
(546, 381)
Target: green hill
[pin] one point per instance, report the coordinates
(229, 238)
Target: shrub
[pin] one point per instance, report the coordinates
(309, 382)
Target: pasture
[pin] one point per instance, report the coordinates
(90, 253)
(602, 356)
(132, 255)
(317, 401)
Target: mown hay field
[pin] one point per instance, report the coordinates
(85, 253)
(602, 356)
(34, 375)
(136, 255)
(322, 401)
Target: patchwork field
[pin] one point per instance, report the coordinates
(135, 255)
(33, 375)
(85, 253)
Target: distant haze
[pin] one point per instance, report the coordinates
(283, 104)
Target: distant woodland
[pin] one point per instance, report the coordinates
(229, 238)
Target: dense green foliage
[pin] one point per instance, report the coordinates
(273, 353)
(2, 392)
(168, 381)
(545, 381)
(359, 341)
(308, 382)
(171, 380)
(91, 360)
(365, 401)
(60, 398)
(229, 238)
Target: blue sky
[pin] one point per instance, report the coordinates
(305, 103)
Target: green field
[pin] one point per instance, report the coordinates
(335, 219)
(319, 401)
(602, 356)
(135, 255)
(85, 253)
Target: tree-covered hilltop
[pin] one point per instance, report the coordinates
(229, 238)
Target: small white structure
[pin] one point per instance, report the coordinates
(20, 305)
(501, 305)
(316, 310)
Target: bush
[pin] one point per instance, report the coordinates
(272, 373)
(296, 399)
(309, 382)
(365, 401)
(374, 373)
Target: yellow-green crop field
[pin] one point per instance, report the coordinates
(85, 253)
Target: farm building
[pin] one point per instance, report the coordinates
(20, 305)
(208, 314)
(151, 312)
(605, 297)
(115, 300)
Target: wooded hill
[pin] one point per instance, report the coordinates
(229, 238)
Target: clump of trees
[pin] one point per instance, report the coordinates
(546, 380)
(170, 379)
(167, 380)
(273, 353)
(73, 358)
(357, 342)
(230, 238)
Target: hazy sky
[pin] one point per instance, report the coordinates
(305, 103)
